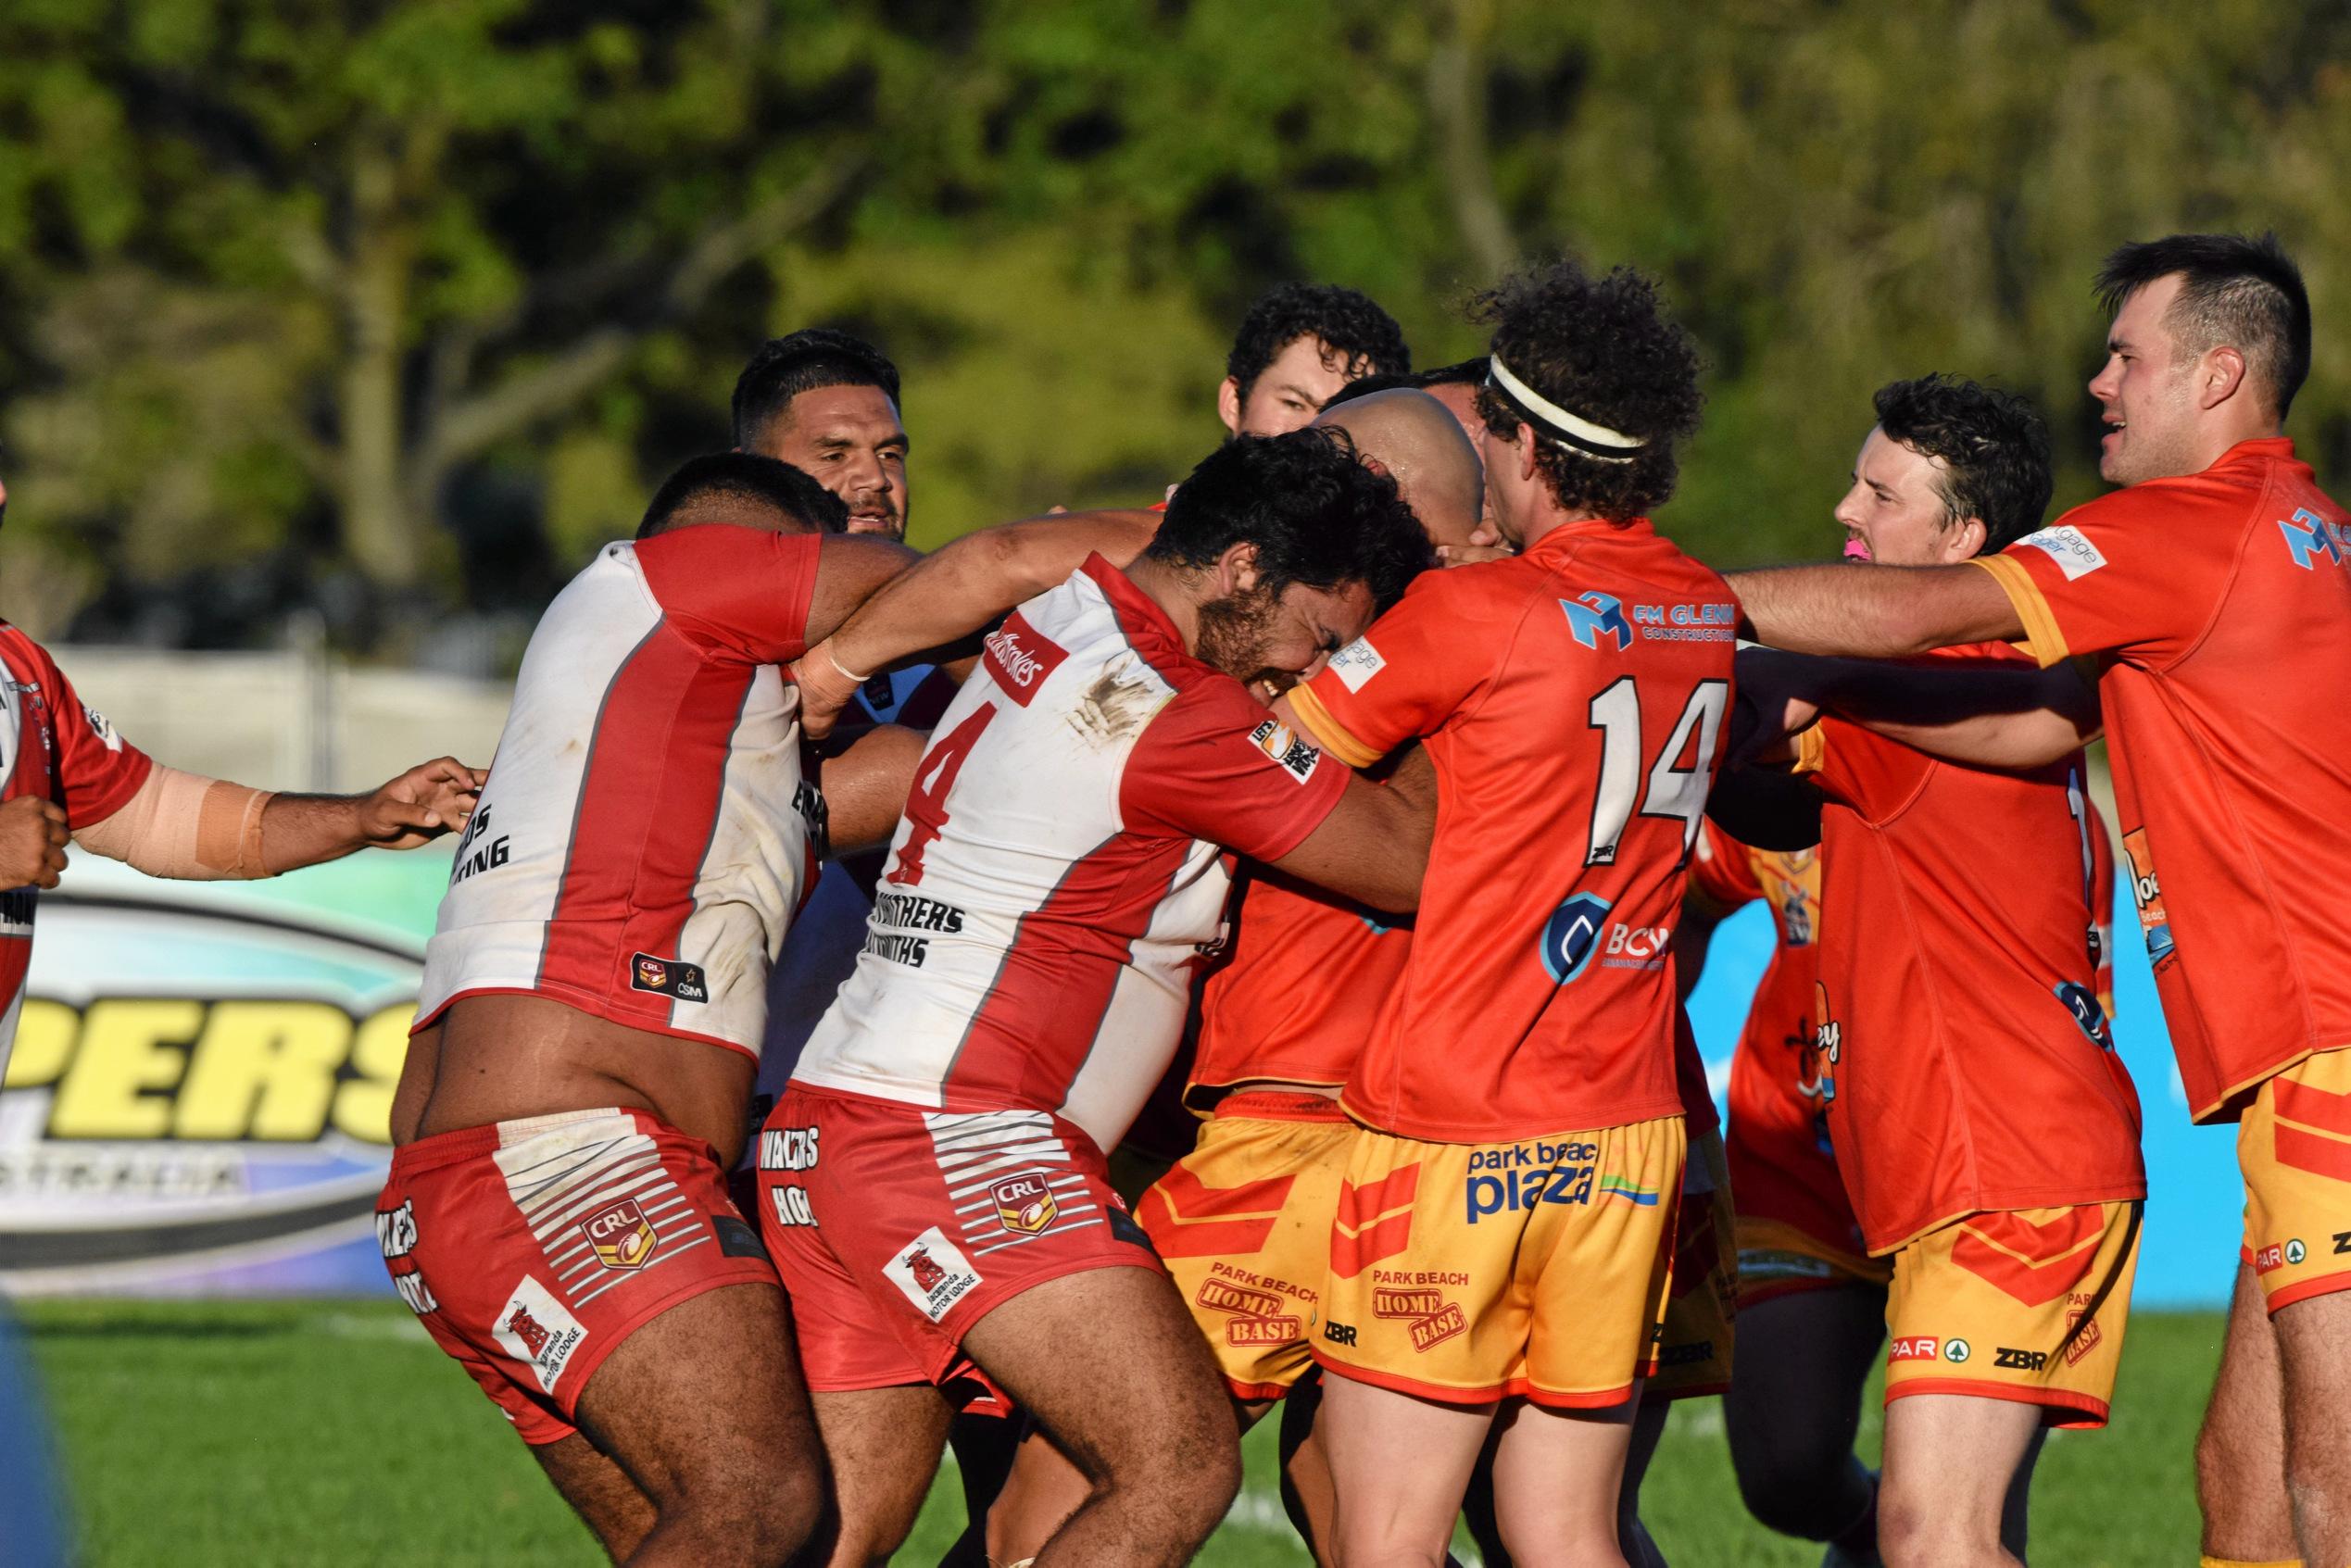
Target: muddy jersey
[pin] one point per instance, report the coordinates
(646, 835)
(2218, 607)
(1057, 873)
(52, 746)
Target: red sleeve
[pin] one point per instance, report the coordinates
(735, 593)
(98, 769)
(1400, 680)
(1214, 764)
(1723, 869)
(1875, 776)
(2140, 572)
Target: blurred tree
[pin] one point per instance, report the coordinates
(423, 295)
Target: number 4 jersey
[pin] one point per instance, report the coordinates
(1572, 699)
(1057, 875)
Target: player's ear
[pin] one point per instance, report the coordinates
(1964, 540)
(2220, 376)
(1522, 446)
(1237, 569)
(1228, 403)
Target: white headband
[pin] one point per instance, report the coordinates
(1597, 442)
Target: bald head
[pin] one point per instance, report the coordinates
(1418, 441)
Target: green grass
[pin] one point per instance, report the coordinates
(303, 1433)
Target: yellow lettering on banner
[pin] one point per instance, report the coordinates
(264, 1069)
(127, 1046)
(363, 1106)
(45, 1044)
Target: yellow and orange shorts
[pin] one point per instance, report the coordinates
(2023, 1304)
(1692, 1355)
(2295, 1147)
(1777, 1259)
(1472, 1273)
(1243, 1224)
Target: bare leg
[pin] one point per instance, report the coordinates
(1632, 1535)
(1307, 1494)
(883, 1446)
(704, 1410)
(599, 1492)
(1558, 1479)
(1399, 1465)
(2314, 1356)
(1950, 1459)
(2014, 1511)
(985, 1448)
(2241, 1452)
(1110, 1363)
(1794, 1408)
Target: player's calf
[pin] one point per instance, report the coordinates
(1108, 1363)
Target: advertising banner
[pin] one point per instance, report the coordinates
(198, 1097)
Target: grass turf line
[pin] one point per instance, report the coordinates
(302, 1434)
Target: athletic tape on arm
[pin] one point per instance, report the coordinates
(184, 826)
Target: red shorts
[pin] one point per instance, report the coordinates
(898, 1228)
(532, 1249)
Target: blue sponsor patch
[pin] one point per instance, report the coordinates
(2082, 1002)
(1572, 934)
(1593, 615)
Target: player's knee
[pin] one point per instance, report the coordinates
(1796, 1486)
(1918, 1531)
(1186, 1486)
(766, 1524)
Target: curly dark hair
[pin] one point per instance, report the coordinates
(765, 490)
(1993, 445)
(1602, 349)
(1359, 335)
(802, 361)
(2245, 293)
(1316, 514)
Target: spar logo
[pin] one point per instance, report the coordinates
(201, 1081)
(622, 1236)
(1021, 658)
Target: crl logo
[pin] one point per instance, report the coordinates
(2309, 535)
(1594, 615)
(1572, 934)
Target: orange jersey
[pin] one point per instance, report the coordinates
(2218, 607)
(1297, 991)
(1571, 698)
(1967, 1063)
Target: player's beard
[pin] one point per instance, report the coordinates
(1234, 634)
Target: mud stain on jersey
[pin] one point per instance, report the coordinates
(1112, 709)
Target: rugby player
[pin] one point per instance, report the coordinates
(1961, 1079)
(1243, 1221)
(1501, 1253)
(70, 776)
(1297, 347)
(937, 1191)
(2211, 591)
(827, 403)
(556, 1210)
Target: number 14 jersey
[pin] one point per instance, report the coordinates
(1058, 871)
(1572, 698)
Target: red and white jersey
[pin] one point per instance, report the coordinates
(52, 746)
(1058, 872)
(646, 835)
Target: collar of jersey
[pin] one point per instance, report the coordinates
(1147, 626)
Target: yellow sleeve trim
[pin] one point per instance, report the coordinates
(1811, 750)
(1328, 732)
(2043, 640)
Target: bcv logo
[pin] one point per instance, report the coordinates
(1020, 658)
(1572, 934)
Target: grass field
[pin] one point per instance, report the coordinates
(303, 1433)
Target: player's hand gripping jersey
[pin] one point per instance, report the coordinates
(654, 734)
(1572, 698)
(1966, 1058)
(1059, 870)
(2219, 606)
(54, 748)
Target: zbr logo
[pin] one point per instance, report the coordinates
(1594, 615)
(2308, 536)
(1572, 936)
